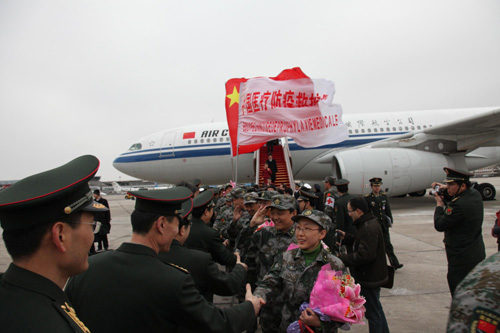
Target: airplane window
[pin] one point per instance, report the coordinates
(418, 127)
(195, 140)
(413, 128)
(394, 129)
(400, 128)
(375, 130)
(388, 129)
(350, 131)
(189, 142)
(227, 139)
(136, 146)
(202, 140)
(362, 130)
(208, 140)
(425, 126)
(406, 128)
(381, 129)
(221, 139)
(356, 131)
(369, 130)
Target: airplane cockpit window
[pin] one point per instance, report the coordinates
(136, 146)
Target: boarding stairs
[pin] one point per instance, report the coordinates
(284, 169)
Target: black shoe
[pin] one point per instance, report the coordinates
(398, 266)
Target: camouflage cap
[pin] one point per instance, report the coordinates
(229, 197)
(282, 201)
(329, 179)
(316, 216)
(251, 197)
(266, 196)
(238, 192)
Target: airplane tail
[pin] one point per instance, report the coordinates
(117, 188)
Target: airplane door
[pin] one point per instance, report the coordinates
(401, 170)
(168, 144)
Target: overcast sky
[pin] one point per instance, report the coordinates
(92, 77)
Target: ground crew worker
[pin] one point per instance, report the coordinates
(48, 221)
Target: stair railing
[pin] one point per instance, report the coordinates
(286, 155)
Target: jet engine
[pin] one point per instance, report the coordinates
(402, 170)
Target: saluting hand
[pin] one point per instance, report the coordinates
(259, 217)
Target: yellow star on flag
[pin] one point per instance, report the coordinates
(234, 97)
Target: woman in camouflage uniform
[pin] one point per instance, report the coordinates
(294, 274)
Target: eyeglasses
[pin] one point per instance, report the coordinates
(351, 211)
(305, 230)
(75, 222)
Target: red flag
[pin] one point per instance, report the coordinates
(189, 135)
(290, 104)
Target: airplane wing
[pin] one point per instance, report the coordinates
(463, 135)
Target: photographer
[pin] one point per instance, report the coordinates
(459, 214)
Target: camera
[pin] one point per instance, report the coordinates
(437, 189)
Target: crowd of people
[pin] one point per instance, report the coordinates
(271, 241)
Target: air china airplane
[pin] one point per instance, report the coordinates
(407, 149)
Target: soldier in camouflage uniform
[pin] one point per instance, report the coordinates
(223, 216)
(268, 244)
(476, 302)
(331, 194)
(379, 205)
(294, 274)
(239, 212)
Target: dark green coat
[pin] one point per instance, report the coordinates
(132, 290)
(207, 276)
(380, 207)
(202, 237)
(461, 221)
(31, 303)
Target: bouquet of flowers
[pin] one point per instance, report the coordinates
(334, 297)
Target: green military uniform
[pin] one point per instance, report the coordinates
(476, 302)
(204, 238)
(30, 298)
(112, 294)
(329, 198)
(461, 221)
(208, 278)
(224, 217)
(31, 303)
(379, 205)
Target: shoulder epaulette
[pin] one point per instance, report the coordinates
(179, 267)
(367, 195)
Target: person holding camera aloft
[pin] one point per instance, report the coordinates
(459, 214)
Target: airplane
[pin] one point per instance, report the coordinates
(407, 149)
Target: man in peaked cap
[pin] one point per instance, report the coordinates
(306, 199)
(460, 217)
(204, 238)
(132, 290)
(379, 204)
(48, 223)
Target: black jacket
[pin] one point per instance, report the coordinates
(202, 237)
(132, 290)
(207, 276)
(367, 262)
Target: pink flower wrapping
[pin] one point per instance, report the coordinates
(337, 296)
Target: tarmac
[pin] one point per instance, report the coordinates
(420, 299)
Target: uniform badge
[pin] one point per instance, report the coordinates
(277, 201)
(485, 320)
(373, 203)
(448, 211)
(291, 267)
(307, 212)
